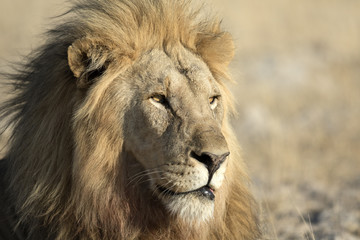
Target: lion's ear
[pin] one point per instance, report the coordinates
(216, 49)
(88, 60)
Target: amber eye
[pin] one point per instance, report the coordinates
(158, 98)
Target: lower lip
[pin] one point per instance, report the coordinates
(207, 192)
(203, 191)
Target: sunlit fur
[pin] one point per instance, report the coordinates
(67, 175)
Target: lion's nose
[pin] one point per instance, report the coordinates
(210, 160)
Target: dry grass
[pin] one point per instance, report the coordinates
(298, 68)
(299, 103)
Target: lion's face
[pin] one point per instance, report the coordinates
(173, 129)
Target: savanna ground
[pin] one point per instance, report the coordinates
(298, 71)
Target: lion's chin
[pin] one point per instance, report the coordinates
(192, 208)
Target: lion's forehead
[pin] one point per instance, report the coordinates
(175, 73)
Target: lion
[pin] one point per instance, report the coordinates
(121, 130)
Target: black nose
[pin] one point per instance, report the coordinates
(210, 160)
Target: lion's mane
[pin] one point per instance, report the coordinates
(53, 198)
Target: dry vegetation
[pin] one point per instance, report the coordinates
(298, 64)
(298, 68)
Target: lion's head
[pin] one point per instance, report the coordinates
(172, 126)
(121, 128)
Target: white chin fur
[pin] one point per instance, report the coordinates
(191, 209)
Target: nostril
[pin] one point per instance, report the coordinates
(210, 160)
(203, 158)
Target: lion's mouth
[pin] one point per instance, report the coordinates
(204, 191)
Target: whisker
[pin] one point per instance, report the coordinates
(167, 187)
(146, 172)
(147, 180)
(141, 175)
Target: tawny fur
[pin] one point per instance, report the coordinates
(67, 176)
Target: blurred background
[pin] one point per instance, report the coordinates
(297, 68)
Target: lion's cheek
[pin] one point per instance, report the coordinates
(145, 128)
(155, 122)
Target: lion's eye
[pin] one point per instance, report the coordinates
(213, 102)
(158, 98)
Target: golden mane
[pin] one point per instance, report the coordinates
(57, 197)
